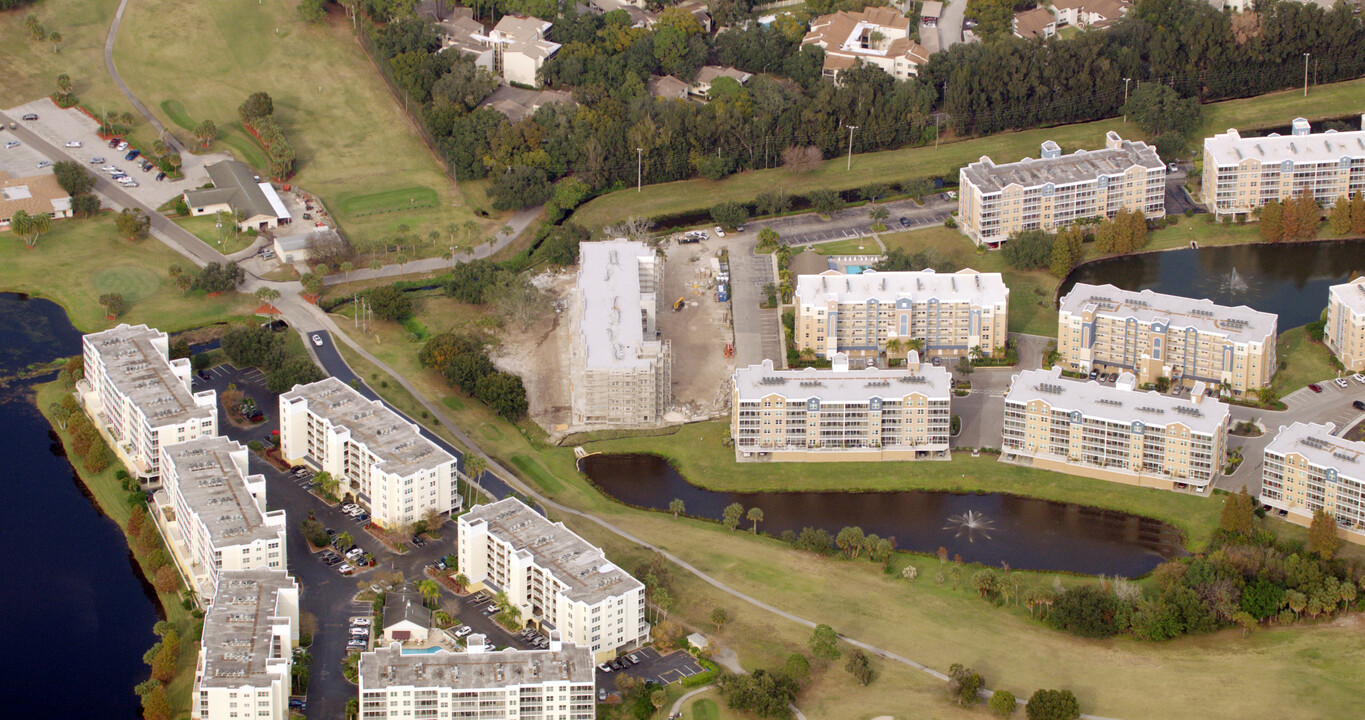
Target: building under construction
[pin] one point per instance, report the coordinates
(620, 372)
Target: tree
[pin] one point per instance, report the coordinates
(132, 223)
(390, 303)
(312, 283)
(206, 131)
(1358, 213)
(267, 295)
(55, 38)
(64, 87)
(166, 656)
(676, 507)
(802, 160)
(1027, 250)
(430, 590)
(859, 667)
(521, 187)
(719, 617)
(1164, 115)
(156, 704)
(729, 214)
(30, 227)
(824, 643)
(256, 106)
(85, 204)
(1322, 535)
(851, 541)
(1053, 705)
(1002, 703)
(768, 238)
(166, 579)
(1271, 225)
(1067, 248)
(731, 515)
(1239, 514)
(963, 684)
(313, 11)
(826, 202)
(965, 367)
(503, 393)
(216, 278)
(328, 484)
(112, 304)
(755, 516)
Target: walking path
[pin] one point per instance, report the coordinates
(142, 110)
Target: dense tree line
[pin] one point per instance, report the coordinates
(258, 115)
(1199, 51)
(465, 364)
(264, 349)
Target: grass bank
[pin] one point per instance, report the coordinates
(205, 227)
(83, 259)
(1302, 360)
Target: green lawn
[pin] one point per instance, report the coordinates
(356, 148)
(83, 259)
(896, 165)
(205, 227)
(1302, 361)
(862, 246)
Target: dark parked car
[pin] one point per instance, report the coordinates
(1094, 374)
(1315, 388)
(132, 155)
(114, 143)
(905, 221)
(203, 374)
(160, 176)
(1359, 405)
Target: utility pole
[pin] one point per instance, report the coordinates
(851, 128)
(1125, 99)
(1305, 74)
(639, 168)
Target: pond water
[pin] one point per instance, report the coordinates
(990, 528)
(81, 614)
(1290, 280)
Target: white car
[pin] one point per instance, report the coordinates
(348, 507)
(464, 630)
(96, 160)
(360, 622)
(345, 568)
(1359, 378)
(74, 144)
(130, 184)
(317, 340)
(11, 144)
(1341, 382)
(43, 163)
(720, 232)
(109, 169)
(122, 146)
(604, 668)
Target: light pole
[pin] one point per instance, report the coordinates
(1125, 99)
(1305, 74)
(851, 128)
(639, 168)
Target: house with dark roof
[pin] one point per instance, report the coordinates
(406, 619)
(701, 87)
(236, 188)
(666, 86)
(1037, 22)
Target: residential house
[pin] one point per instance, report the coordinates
(1089, 13)
(701, 86)
(666, 86)
(1037, 22)
(520, 48)
(237, 189)
(35, 195)
(876, 36)
(406, 617)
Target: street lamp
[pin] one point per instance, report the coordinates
(639, 168)
(1125, 100)
(1305, 74)
(851, 128)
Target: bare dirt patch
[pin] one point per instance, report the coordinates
(540, 354)
(699, 333)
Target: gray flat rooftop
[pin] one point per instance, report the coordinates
(1110, 403)
(610, 326)
(1230, 148)
(757, 381)
(1238, 323)
(389, 667)
(215, 488)
(969, 286)
(1316, 442)
(1077, 167)
(581, 566)
(238, 634)
(400, 446)
(1351, 294)
(139, 371)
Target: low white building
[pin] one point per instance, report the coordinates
(406, 618)
(213, 514)
(141, 399)
(553, 684)
(1089, 13)
(237, 189)
(877, 36)
(520, 48)
(557, 579)
(247, 649)
(378, 457)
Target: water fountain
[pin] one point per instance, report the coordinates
(971, 524)
(1233, 284)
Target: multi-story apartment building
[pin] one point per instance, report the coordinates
(942, 313)
(1308, 469)
(1056, 190)
(140, 398)
(1083, 427)
(213, 514)
(552, 684)
(620, 372)
(1345, 330)
(380, 458)
(557, 580)
(247, 651)
(1156, 335)
(841, 414)
(877, 36)
(1242, 174)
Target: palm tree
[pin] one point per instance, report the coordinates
(676, 507)
(64, 86)
(915, 344)
(430, 590)
(127, 118)
(474, 467)
(375, 264)
(205, 133)
(755, 516)
(347, 267)
(893, 346)
(976, 352)
(461, 582)
(56, 39)
(267, 295)
(159, 149)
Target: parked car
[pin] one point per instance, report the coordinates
(347, 507)
(132, 154)
(1341, 382)
(904, 221)
(604, 668)
(1358, 405)
(11, 144)
(719, 231)
(123, 145)
(1094, 374)
(464, 630)
(96, 160)
(114, 143)
(317, 340)
(134, 184)
(633, 658)
(44, 163)
(73, 143)
(147, 166)
(1359, 378)
(361, 621)
(346, 569)
(602, 694)
(30, 117)
(160, 176)
(1315, 387)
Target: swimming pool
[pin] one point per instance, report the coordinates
(854, 269)
(421, 651)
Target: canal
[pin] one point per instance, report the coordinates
(81, 613)
(990, 528)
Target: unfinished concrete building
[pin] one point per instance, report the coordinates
(620, 370)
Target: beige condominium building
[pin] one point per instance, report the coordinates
(140, 398)
(943, 313)
(213, 514)
(247, 651)
(620, 371)
(379, 457)
(878, 36)
(1056, 190)
(842, 414)
(1155, 335)
(1242, 174)
(1308, 469)
(1345, 330)
(1115, 433)
(553, 684)
(557, 579)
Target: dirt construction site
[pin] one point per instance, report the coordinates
(699, 331)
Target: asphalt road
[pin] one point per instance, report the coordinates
(809, 228)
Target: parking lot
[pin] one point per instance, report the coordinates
(22, 160)
(653, 668)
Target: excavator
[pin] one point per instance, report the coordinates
(682, 301)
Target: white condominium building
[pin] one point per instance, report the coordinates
(1308, 469)
(1345, 330)
(552, 684)
(1242, 174)
(1056, 190)
(140, 398)
(620, 372)
(842, 414)
(1156, 335)
(214, 514)
(936, 313)
(247, 649)
(378, 457)
(555, 577)
(1115, 433)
